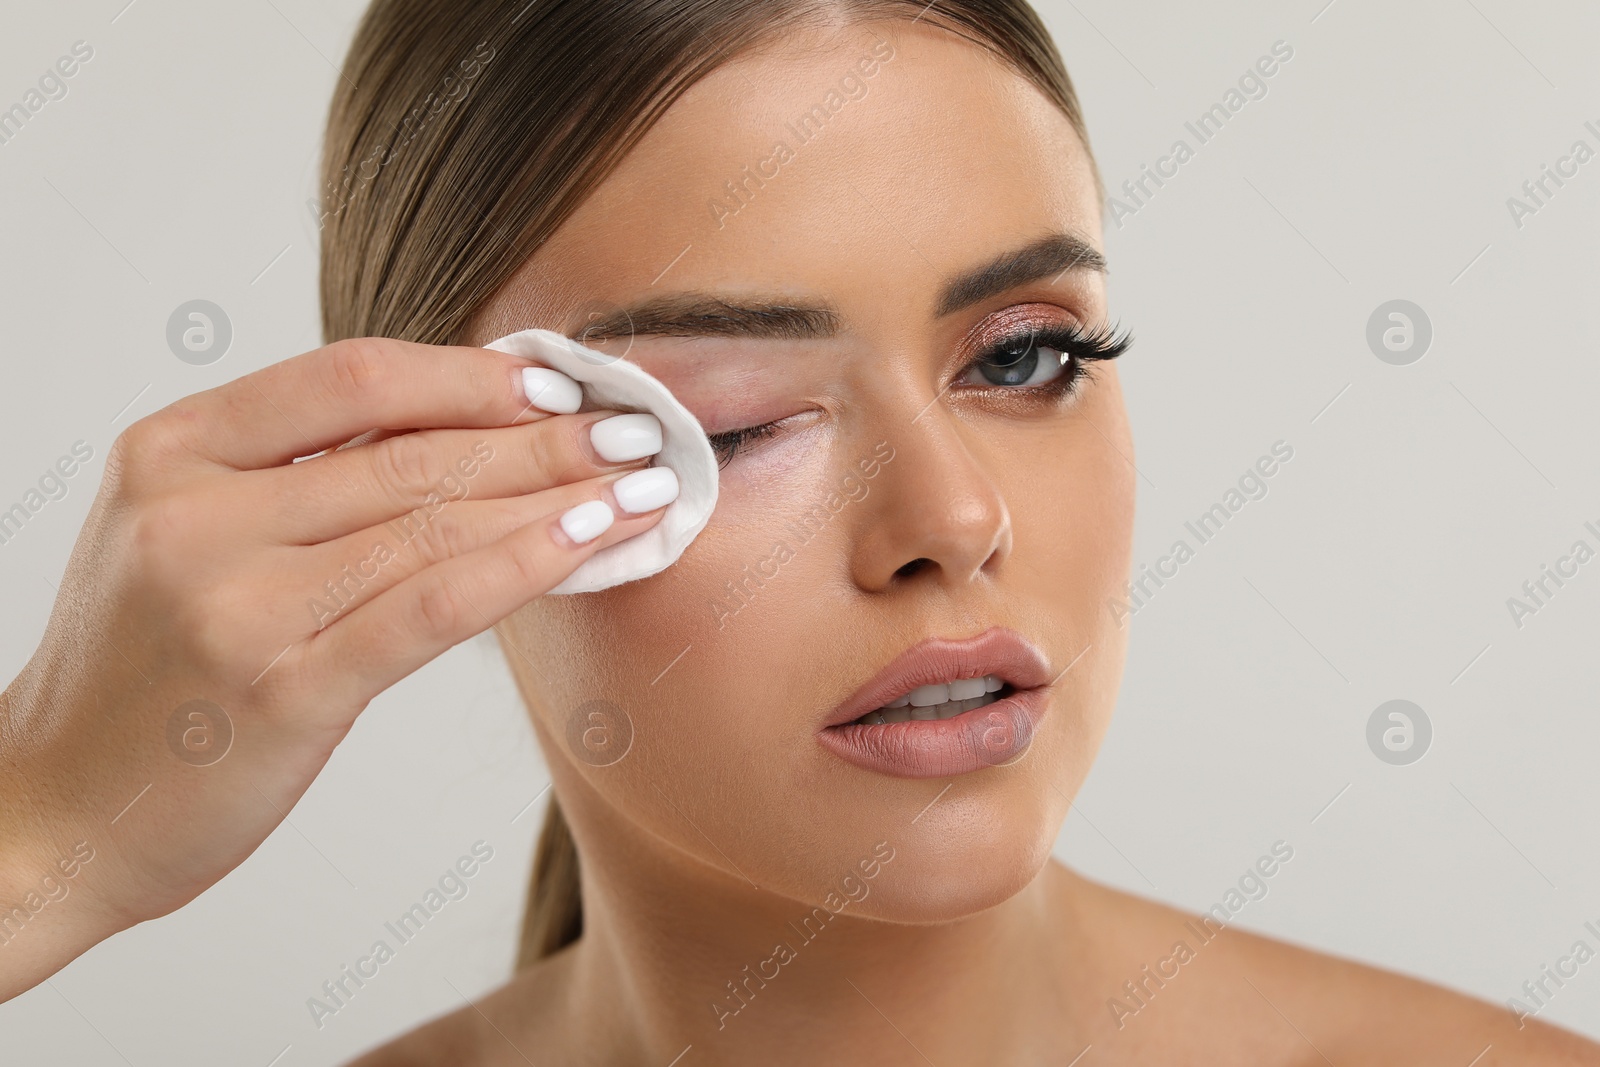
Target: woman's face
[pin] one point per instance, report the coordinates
(901, 493)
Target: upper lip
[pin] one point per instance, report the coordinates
(999, 650)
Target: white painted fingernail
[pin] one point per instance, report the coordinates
(587, 521)
(550, 390)
(646, 490)
(624, 437)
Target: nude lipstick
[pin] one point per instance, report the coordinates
(944, 706)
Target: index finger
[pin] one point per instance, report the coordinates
(325, 397)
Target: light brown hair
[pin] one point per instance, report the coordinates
(463, 133)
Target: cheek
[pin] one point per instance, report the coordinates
(1072, 510)
(1082, 539)
(690, 650)
(1073, 517)
(697, 666)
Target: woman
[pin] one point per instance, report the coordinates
(807, 779)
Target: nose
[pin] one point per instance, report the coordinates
(935, 512)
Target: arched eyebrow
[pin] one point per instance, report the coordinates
(699, 314)
(1051, 255)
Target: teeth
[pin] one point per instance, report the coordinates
(942, 701)
(967, 688)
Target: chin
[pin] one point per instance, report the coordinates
(946, 870)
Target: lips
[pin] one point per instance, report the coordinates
(990, 733)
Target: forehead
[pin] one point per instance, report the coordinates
(833, 162)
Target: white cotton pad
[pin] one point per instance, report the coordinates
(614, 383)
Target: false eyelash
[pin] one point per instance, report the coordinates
(1079, 345)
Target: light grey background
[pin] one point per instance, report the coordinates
(1418, 500)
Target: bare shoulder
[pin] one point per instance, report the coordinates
(1177, 980)
(496, 1029)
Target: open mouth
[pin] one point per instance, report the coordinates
(943, 700)
(930, 713)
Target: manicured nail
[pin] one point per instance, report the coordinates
(624, 437)
(587, 521)
(550, 390)
(646, 490)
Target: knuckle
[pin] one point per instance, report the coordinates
(558, 458)
(358, 366)
(157, 530)
(408, 465)
(212, 623)
(441, 537)
(139, 452)
(530, 562)
(440, 607)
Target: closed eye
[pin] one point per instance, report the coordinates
(725, 445)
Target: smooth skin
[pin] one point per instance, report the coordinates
(726, 821)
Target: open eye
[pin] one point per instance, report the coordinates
(1044, 356)
(1022, 360)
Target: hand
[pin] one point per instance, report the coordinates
(227, 612)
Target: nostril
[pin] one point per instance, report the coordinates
(913, 567)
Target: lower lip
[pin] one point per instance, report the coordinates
(939, 748)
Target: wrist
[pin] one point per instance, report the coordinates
(50, 911)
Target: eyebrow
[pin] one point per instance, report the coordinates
(694, 314)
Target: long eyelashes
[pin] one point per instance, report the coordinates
(1100, 343)
(1025, 351)
(1069, 346)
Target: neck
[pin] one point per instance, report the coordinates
(675, 954)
